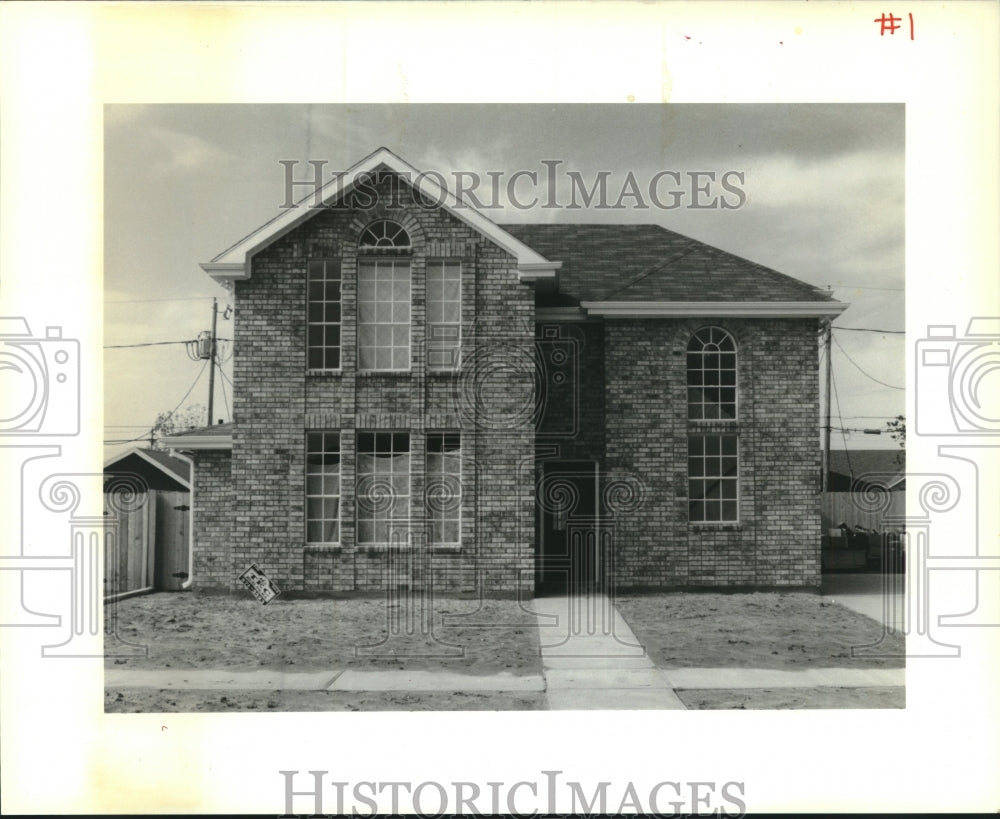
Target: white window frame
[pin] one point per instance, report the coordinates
(327, 264)
(443, 335)
(323, 496)
(699, 355)
(433, 516)
(360, 512)
(721, 476)
(374, 263)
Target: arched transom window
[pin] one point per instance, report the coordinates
(384, 234)
(711, 375)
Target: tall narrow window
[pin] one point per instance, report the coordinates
(711, 375)
(444, 487)
(322, 487)
(444, 315)
(713, 480)
(713, 451)
(383, 487)
(323, 306)
(383, 314)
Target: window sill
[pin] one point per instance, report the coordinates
(376, 373)
(409, 547)
(324, 547)
(715, 526)
(323, 373)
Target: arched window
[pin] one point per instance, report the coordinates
(711, 375)
(384, 234)
(384, 303)
(713, 453)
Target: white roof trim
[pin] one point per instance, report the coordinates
(731, 309)
(200, 442)
(234, 263)
(152, 461)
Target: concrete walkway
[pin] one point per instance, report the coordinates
(592, 660)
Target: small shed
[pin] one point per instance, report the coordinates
(149, 493)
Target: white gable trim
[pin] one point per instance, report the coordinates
(727, 309)
(234, 263)
(153, 462)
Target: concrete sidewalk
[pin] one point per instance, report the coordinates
(592, 660)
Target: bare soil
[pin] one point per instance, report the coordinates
(152, 701)
(187, 630)
(709, 699)
(758, 630)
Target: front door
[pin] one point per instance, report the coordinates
(567, 552)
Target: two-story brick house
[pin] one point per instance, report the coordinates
(423, 397)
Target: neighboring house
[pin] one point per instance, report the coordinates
(509, 405)
(856, 469)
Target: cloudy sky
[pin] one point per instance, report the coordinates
(824, 203)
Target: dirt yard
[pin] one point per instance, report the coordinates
(152, 700)
(774, 698)
(759, 630)
(207, 631)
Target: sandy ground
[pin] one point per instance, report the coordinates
(758, 630)
(775, 698)
(151, 701)
(185, 630)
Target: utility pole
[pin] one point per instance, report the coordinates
(826, 427)
(211, 363)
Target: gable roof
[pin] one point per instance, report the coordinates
(234, 262)
(641, 263)
(159, 470)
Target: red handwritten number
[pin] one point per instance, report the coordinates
(890, 23)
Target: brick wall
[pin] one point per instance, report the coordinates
(776, 542)
(213, 520)
(276, 401)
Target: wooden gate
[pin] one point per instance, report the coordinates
(147, 549)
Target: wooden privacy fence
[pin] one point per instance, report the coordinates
(149, 550)
(850, 508)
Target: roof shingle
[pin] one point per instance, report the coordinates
(651, 263)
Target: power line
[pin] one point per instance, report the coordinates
(871, 330)
(866, 287)
(150, 301)
(145, 344)
(867, 375)
(155, 343)
(150, 430)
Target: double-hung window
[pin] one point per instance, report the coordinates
(444, 315)
(444, 488)
(383, 487)
(713, 442)
(322, 487)
(384, 297)
(323, 341)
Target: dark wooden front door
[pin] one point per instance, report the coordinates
(567, 551)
